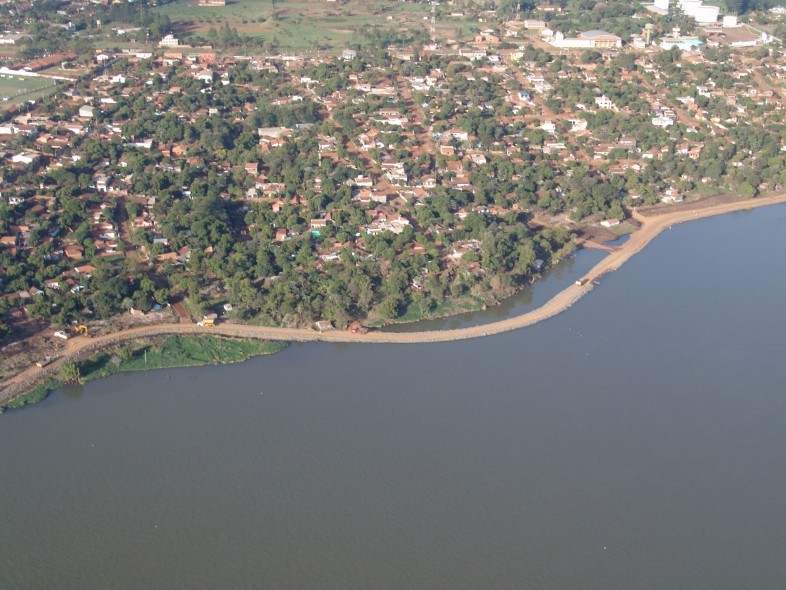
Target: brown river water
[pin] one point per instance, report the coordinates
(636, 441)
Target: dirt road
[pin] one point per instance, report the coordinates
(651, 226)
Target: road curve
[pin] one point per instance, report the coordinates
(80, 347)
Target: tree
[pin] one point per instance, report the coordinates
(591, 57)
(70, 373)
(746, 190)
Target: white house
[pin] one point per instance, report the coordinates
(24, 158)
(169, 41)
(8, 129)
(272, 132)
(102, 183)
(662, 122)
(604, 102)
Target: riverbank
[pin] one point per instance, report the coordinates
(651, 226)
(148, 354)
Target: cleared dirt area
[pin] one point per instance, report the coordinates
(595, 233)
(42, 342)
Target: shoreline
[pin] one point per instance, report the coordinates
(651, 226)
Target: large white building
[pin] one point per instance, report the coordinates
(696, 9)
(704, 15)
(730, 21)
(169, 41)
(689, 7)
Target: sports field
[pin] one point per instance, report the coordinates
(17, 89)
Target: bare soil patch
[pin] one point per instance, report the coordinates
(595, 233)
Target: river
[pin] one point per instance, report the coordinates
(635, 441)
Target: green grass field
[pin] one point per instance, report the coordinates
(162, 353)
(299, 24)
(17, 89)
(176, 351)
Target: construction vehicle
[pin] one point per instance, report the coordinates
(81, 329)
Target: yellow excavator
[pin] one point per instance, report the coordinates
(81, 329)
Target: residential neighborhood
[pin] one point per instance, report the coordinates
(373, 184)
(370, 294)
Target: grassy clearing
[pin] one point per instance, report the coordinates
(175, 351)
(252, 10)
(163, 353)
(297, 24)
(702, 191)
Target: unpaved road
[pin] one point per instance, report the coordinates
(651, 226)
